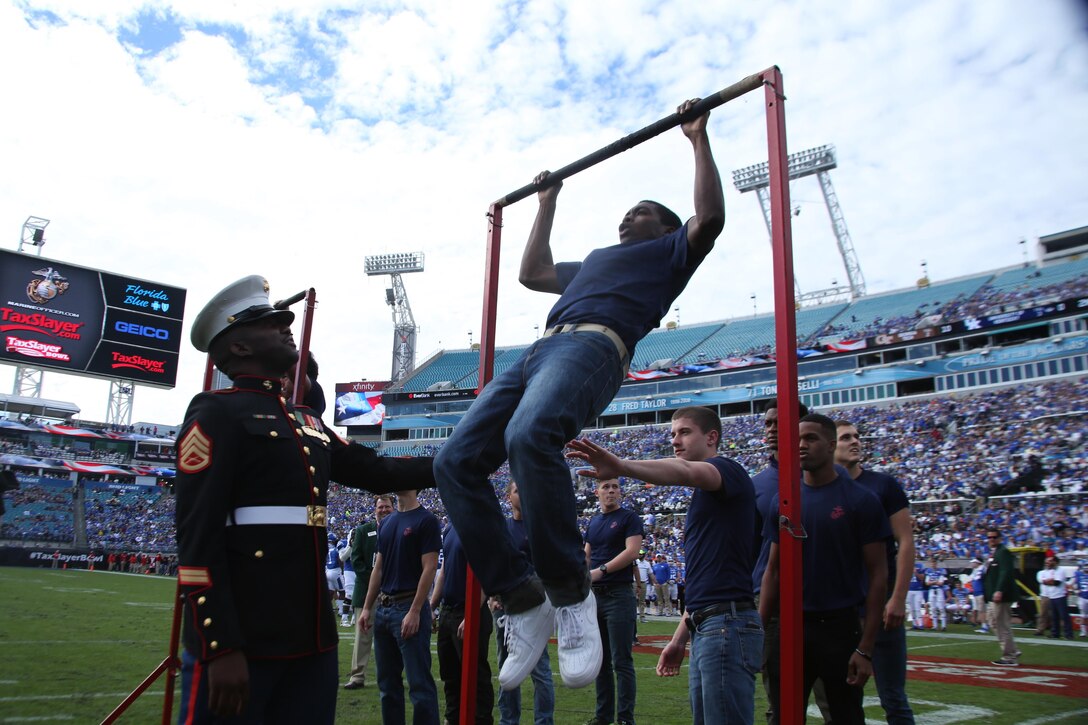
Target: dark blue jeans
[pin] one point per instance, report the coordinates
(616, 618)
(543, 687)
(528, 414)
(726, 654)
(890, 673)
(393, 655)
(1060, 618)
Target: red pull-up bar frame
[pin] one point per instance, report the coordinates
(786, 346)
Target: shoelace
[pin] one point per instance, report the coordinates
(570, 629)
(507, 631)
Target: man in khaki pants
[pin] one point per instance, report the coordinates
(999, 583)
(364, 545)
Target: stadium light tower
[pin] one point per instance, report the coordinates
(404, 325)
(28, 380)
(818, 161)
(119, 407)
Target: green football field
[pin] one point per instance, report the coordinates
(74, 643)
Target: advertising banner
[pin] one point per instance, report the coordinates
(359, 403)
(81, 320)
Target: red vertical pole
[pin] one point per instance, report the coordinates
(789, 479)
(470, 644)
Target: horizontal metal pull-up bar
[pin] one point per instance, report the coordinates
(656, 128)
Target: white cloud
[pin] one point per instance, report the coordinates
(206, 162)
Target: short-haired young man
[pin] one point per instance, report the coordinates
(843, 566)
(719, 538)
(543, 687)
(448, 602)
(766, 485)
(613, 539)
(607, 303)
(890, 651)
(404, 570)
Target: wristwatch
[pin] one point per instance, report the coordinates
(603, 568)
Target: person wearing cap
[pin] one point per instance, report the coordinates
(252, 481)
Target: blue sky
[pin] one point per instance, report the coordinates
(198, 142)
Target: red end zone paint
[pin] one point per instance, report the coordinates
(1062, 681)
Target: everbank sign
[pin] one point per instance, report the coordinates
(33, 348)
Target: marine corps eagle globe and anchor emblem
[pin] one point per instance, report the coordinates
(44, 288)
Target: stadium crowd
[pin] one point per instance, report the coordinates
(952, 455)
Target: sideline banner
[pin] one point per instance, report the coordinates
(42, 557)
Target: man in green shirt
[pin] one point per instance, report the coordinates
(364, 544)
(999, 587)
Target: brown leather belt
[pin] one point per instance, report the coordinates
(590, 327)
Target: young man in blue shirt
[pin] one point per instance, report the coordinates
(890, 650)
(766, 485)
(613, 539)
(563, 381)
(844, 566)
(449, 592)
(719, 540)
(543, 687)
(404, 570)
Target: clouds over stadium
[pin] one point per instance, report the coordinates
(193, 143)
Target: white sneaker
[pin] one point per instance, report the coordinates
(526, 635)
(580, 652)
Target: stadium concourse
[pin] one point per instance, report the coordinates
(1016, 457)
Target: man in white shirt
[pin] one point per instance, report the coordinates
(644, 579)
(1053, 593)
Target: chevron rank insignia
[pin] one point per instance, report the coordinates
(194, 451)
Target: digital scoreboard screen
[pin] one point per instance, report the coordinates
(80, 320)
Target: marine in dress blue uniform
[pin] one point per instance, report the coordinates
(253, 473)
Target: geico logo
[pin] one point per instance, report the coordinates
(142, 330)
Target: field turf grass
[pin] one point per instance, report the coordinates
(74, 643)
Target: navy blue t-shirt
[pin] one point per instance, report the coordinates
(454, 564)
(766, 486)
(894, 500)
(719, 536)
(840, 518)
(403, 539)
(627, 287)
(607, 535)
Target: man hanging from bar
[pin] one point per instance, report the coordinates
(564, 380)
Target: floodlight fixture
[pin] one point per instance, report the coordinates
(802, 163)
(396, 263)
(33, 233)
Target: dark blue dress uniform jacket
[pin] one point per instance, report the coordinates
(261, 588)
